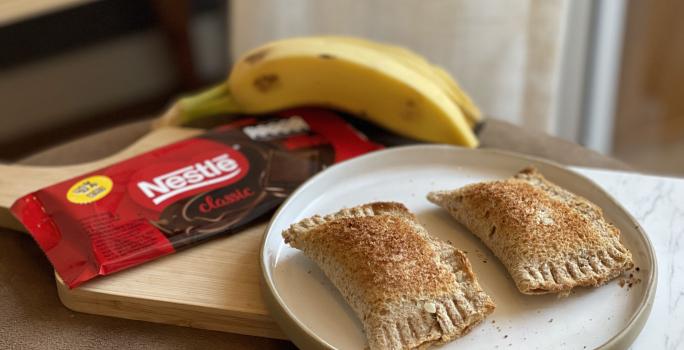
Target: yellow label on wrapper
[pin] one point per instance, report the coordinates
(90, 189)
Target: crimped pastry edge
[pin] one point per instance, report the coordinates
(303, 226)
(592, 270)
(454, 314)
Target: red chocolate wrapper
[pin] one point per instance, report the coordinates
(190, 191)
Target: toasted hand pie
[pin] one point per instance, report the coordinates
(549, 239)
(408, 289)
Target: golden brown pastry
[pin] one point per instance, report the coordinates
(408, 289)
(549, 239)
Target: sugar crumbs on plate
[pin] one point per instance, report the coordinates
(630, 280)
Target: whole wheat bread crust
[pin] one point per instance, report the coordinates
(549, 239)
(408, 289)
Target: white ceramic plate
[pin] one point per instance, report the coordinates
(314, 315)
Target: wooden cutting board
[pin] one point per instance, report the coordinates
(214, 285)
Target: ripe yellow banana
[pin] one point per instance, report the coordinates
(359, 79)
(440, 76)
(469, 108)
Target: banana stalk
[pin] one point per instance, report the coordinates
(215, 100)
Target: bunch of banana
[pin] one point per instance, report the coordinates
(388, 85)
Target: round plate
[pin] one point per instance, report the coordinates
(314, 315)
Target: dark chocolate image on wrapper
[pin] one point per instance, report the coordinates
(273, 174)
(287, 170)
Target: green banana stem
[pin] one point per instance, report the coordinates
(215, 100)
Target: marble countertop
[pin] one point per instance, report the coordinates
(658, 204)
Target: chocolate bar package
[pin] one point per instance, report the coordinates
(158, 202)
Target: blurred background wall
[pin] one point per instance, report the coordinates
(68, 67)
(649, 121)
(602, 73)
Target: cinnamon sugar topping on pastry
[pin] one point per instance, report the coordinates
(408, 289)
